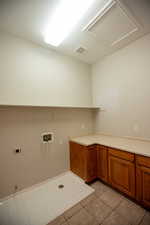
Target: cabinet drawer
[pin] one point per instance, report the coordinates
(121, 154)
(143, 161)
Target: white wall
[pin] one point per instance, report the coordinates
(32, 75)
(121, 85)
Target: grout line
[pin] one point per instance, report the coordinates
(142, 218)
(118, 204)
(108, 215)
(74, 212)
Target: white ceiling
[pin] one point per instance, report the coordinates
(126, 21)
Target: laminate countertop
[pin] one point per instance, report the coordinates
(133, 145)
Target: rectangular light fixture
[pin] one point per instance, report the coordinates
(68, 13)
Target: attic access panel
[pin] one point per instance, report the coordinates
(112, 25)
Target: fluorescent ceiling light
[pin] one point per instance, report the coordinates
(64, 19)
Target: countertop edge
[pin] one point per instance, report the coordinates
(111, 146)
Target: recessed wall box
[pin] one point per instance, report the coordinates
(47, 137)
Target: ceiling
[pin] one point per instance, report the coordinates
(124, 22)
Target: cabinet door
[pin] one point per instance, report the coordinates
(143, 185)
(102, 163)
(122, 175)
(91, 163)
(78, 159)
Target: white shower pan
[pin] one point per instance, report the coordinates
(43, 203)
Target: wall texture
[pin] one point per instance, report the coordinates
(32, 75)
(22, 127)
(121, 85)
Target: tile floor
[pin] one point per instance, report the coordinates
(104, 207)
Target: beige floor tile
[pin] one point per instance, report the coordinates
(99, 188)
(90, 198)
(69, 213)
(111, 198)
(82, 218)
(115, 219)
(130, 211)
(58, 221)
(146, 219)
(98, 209)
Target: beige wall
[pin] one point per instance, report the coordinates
(121, 85)
(22, 127)
(32, 75)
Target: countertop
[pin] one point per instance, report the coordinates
(133, 145)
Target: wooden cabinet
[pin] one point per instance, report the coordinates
(143, 180)
(91, 163)
(115, 167)
(78, 159)
(122, 171)
(102, 163)
(83, 161)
